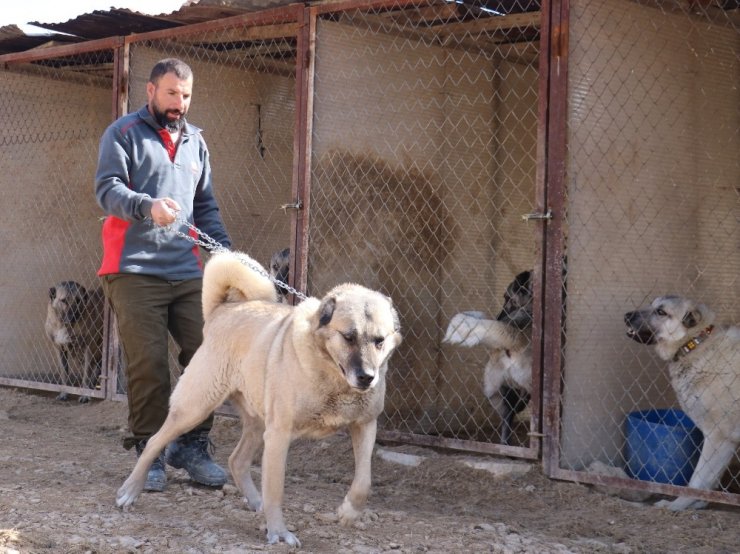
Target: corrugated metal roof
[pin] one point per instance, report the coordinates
(123, 22)
(13, 39)
(114, 22)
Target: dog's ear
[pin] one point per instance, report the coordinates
(394, 313)
(52, 293)
(523, 281)
(700, 314)
(326, 310)
(692, 318)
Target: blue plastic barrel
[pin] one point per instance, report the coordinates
(662, 445)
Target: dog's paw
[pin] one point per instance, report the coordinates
(126, 495)
(347, 513)
(274, 537)
(83, 399)
(62, 397)
(255, 504)
(682, 503)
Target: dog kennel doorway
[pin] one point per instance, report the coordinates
(649, 105)
(423, 159)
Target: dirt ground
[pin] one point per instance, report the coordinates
(61, 463)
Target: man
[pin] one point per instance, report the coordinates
(153, 168)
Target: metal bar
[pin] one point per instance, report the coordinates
(114, 83)
(52, 387)
(305, 58)
(121, 83)
(538, 301)
(111, 344)
(648, 486)
(352, 5)
(557, 29)
(61, 51)
(457, 444)
(286, 14)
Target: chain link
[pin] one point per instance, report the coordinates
(216, 247)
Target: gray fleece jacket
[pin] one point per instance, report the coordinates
(138, 163)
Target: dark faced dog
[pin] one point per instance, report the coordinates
(280, 271)
(517, 308)
(507, 376)
(74, 324)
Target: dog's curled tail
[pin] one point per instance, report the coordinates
(234, 277)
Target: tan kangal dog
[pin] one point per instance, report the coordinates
(291, 371)
(704, 367)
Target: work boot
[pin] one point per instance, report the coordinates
(190, 452)
(156, 479)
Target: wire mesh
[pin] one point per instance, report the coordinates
(423, 160)
(652, 210)
(54, 110)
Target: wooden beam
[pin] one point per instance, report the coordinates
(491, 24)
(243, 34)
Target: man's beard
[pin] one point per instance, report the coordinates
(172, 125)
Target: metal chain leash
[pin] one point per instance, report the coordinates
(216, 247)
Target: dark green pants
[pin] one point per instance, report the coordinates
(148, 310)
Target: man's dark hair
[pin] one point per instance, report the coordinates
(170, 65)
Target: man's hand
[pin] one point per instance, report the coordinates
(164, 211)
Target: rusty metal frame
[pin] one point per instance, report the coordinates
(305, 60)
(555, 50)
(110, 43)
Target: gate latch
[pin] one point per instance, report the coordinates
(297, 205)
(536, 215)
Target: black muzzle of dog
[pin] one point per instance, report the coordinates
(638, 329)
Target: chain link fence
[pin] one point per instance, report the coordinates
(651, 209)
(423, 160)
(54, 109)
(398, 144)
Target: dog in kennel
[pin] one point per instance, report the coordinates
(280, 271)
(507, 375)
(74, 325)
(704, 368)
